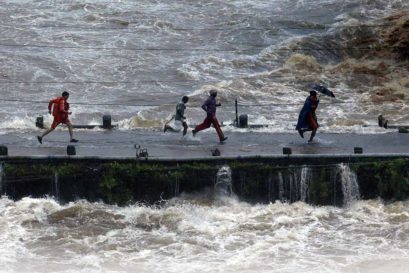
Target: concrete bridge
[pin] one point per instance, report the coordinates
(116, 143)
(105, 167)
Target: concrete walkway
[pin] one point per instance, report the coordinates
(117, 143)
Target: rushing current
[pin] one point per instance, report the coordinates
(136, 59)
(190, 234)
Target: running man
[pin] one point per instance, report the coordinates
(210, 107)
(179, 118)
(60, 110)
(307, 120)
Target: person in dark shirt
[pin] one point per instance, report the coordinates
(210, 106)
(179, 118)
(307, 120)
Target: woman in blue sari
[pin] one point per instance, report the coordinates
(307, 120)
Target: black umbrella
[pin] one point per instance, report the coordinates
(322, 90)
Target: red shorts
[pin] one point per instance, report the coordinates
(57, 120)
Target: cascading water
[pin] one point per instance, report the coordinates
(350, 187)
(176, 189)
(56, 187)
(223, 186)
(293, 186)
(280, 186)
(1, 178)
(270, 188)
(305, 178)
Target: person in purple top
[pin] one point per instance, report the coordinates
(210, 107)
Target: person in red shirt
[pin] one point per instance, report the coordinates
(59, 108)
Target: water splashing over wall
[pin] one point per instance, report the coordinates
(1, 177)
(350, 187)
(293, 185)
(56, 186)
(280, 186)
(223, 184)
(305, 178)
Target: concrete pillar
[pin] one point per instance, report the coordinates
(40, 122)
(215, 152)
(71, 150)
(106, 122)
(403, 130)
(382, 122)
(287, 151)
(4, 150)
(243, 121)
(358, 150)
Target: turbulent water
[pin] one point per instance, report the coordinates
(109, 54)
(197, 235)
(134, 60)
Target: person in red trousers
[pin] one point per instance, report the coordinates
(60, 110)
(210, 106)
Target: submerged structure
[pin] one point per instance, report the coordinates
(315, 179)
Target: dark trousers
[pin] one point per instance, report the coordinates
(184, 124)
(209, 120)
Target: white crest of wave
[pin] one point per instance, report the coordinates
(22, 123)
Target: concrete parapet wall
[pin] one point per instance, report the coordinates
(316, 179)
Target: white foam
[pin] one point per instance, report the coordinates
(13, 124)
(198, 235)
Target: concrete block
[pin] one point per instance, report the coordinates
(71, 150)
(287, 151)
(4, 150)
(358, 150)
(382, 122)
(106, 122)
(243, 121)
(403, 130)
(40, 122)
(216, 152)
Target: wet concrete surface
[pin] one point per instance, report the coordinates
(116, 143)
